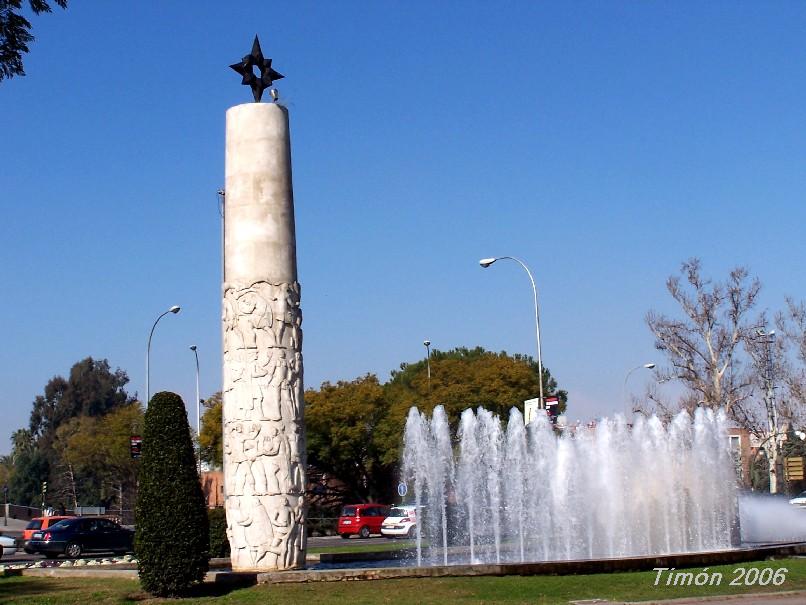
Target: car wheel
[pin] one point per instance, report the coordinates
(73, 550)
(364, 532)
(412, 533)
(345, 536)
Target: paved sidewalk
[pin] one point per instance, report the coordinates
(776, 598)
(14, 527)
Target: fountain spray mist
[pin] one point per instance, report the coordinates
(527, 494)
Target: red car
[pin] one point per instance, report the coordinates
(38, 523)
(362, 519)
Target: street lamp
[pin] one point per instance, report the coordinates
(648, 366)
(198, 403)
(768, 340)
(427, 345)
(486, 262)
(175, 309)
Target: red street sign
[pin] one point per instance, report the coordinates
(135, 445)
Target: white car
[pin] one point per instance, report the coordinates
(8, 546)
(401, 522)
(799, 500)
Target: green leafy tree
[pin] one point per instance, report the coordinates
(211, 434)
(92, 389)
(94, 461)
(30, 468)
(355, 429)
(15, 33)
(461, 378)
(172, 535)
(341, 421)
(6, 466)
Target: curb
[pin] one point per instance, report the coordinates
(731, 597)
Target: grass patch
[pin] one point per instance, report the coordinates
(540, 590)
(385, 546)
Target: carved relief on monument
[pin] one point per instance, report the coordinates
(264, 450)
(262, 341)
(249, 522)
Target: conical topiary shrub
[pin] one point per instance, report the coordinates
(171, 528)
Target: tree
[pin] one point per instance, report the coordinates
(211, 434)
(792, 324)
(30, 469)
(727, 359)
(461, 378)
(6, 466)
(92, 389)
(15, 33)
(341, 420)
(355, 428)
(704, 346)
(172, 532)
(93, 459)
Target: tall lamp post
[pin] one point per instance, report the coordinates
(175, 309)
(648, 366)
(768, 340)
(198, 404)
(427, 345)
(486, 262)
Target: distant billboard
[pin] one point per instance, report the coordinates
(530, 407)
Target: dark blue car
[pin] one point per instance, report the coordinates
(72, 537)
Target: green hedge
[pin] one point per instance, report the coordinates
(172, 534)
(219, 543)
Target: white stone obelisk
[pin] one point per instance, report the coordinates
(264, 438)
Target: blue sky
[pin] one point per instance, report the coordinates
(603, 143)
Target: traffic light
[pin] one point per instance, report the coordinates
(44, 486)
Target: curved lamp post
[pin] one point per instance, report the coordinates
(648, 366)
(198, 401)
(427, 345)
(175, 309)
(486, 262)
(198, 406)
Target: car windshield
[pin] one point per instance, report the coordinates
(398, 512)
(62, 523)
(348, 511)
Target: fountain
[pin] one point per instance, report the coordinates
(524, 493)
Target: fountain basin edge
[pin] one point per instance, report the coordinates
(552, 568)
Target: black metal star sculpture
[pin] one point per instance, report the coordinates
(267, 74)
